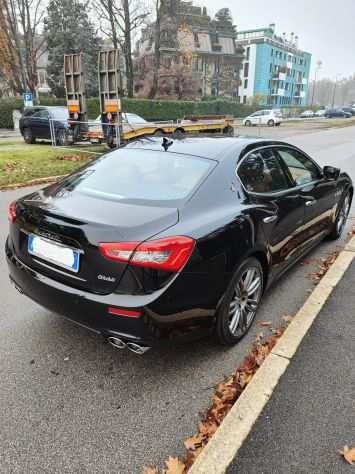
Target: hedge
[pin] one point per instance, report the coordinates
(173, 110)
(149, 109)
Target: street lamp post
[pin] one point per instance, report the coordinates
(319, 65)
(335, 88)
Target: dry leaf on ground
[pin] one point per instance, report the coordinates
(150, 470)
(264, 324)
(174, 466)
(348, 454)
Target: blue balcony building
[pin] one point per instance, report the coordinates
(274, 68)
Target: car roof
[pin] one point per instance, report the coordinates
(212, 147)
(46, 107)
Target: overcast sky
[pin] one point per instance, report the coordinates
(326, 28)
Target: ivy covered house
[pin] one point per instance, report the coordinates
(198, 55)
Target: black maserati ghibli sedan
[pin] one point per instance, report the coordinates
(167, 240)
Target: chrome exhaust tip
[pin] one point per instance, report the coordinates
(137, 349)
(116, 342)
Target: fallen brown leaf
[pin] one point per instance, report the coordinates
(174, 466)
(264, 324)
(150, 470)
(194, 442)
(348, 454)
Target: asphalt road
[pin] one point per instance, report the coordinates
(71, 403)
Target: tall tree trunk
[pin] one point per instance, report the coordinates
(128, 47)
(154, 87)
(112, 17)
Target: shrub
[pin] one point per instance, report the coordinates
(152, 110)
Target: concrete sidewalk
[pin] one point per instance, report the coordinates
(311, 413)
(8, 134)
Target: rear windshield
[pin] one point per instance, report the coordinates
(141, 175)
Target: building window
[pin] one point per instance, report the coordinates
(244, 99)
(272, 51)
(245, 83)
(270, 67)
(248, 53)
(246, 69)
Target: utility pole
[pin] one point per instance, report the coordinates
(335, 88)
(319, 65)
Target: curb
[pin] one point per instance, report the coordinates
(32, 182)
(229, 437)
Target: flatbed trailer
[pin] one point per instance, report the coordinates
(191, 124)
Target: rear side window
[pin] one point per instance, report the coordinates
(136, 175)
(301, 168)
(59, 113)
(261, 172)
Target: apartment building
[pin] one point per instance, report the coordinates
(274, 70)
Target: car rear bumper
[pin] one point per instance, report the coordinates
(153, 327)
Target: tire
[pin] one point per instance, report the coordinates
(271, 123)
(28, 136)
(233, 320)
(229, 130)
(248, 123)
(179, 132)
(159, 133)
(341, 216)
(62, 138)
(110, 142)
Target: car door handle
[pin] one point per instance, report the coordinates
(311, 203)
(270, 219)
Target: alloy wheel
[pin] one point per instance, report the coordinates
(245, 301)
(343, 214)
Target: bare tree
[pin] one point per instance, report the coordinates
(23, 19)
(10, 70)
(119, 20)
(157, 36)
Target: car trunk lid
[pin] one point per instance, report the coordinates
(58, 221)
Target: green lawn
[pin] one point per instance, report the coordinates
(20, 162)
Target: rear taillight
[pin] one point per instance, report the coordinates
(169, 254)
(11, 212)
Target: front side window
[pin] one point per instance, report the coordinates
(301, 168)
(261, 172)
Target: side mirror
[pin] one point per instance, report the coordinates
(331, 173)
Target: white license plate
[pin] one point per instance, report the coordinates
(53, 252)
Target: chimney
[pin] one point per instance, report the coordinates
(272, 26)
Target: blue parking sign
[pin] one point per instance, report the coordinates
(27, 99)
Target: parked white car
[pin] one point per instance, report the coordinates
(263, 117)
(320, 113)
(307, 114)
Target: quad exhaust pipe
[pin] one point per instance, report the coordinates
(132, 346)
